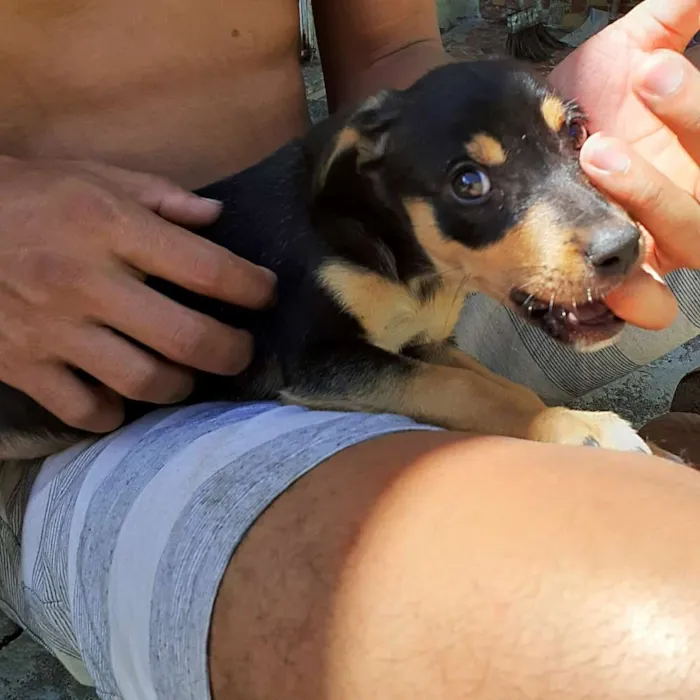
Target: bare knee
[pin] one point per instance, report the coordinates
(432, 566)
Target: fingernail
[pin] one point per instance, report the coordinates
(269, 274)
(607, 158)
(663, 79)
(211, 202)
(205, 207)
(271, 299)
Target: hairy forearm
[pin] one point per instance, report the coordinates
(398, 69)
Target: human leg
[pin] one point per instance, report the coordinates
(436, 566)
(111, 552)
(123, 549)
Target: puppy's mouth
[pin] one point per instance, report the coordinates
(586, 326)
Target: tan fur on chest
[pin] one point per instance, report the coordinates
(392, 314)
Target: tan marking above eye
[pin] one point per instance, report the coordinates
(554, 112)
(486, 150)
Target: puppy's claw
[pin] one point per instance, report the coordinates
(587, 428)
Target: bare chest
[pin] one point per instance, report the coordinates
(150, 84)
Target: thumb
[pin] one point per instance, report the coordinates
(662, 24)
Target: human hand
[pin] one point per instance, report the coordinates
(653, 141)
(76, 242)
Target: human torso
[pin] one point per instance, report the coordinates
(190, 90)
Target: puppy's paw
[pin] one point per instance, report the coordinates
(587, 428)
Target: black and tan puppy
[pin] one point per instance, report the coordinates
(378, 224)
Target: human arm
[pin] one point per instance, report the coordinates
(367, 45)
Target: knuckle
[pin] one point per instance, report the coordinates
(650, 195)
(140, 379)
(22, 337)
(13, 367)
(208, 269)
(27, 339)
(208, 346)
(80, 413)
(56, 271)
(156, 183)
(190, 340)
(244, 351)
(85, 202)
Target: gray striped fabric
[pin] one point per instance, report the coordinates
(112, 552)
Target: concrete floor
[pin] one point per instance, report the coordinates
(29, 673)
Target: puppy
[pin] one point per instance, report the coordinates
(378, 224)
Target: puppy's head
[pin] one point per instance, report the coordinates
(478, 162)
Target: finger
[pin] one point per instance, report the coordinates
(669, 213)
(644, 301)
(121, 366)
(172, 202)
(183, 336)
(183, 258)
(72, 401)
(670, 87)
(159, 194)
(662, 24)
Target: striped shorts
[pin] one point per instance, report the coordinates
(111, 553)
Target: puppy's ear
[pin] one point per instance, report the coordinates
(358, 141)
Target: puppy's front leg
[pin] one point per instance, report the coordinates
(358, 376)
(560, 425)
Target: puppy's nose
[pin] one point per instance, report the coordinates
(614, 252)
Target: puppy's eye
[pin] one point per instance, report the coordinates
(471, 185)
(578, 133)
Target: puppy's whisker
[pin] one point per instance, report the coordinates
(528, 303)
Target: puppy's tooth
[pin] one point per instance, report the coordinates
(572, 319)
